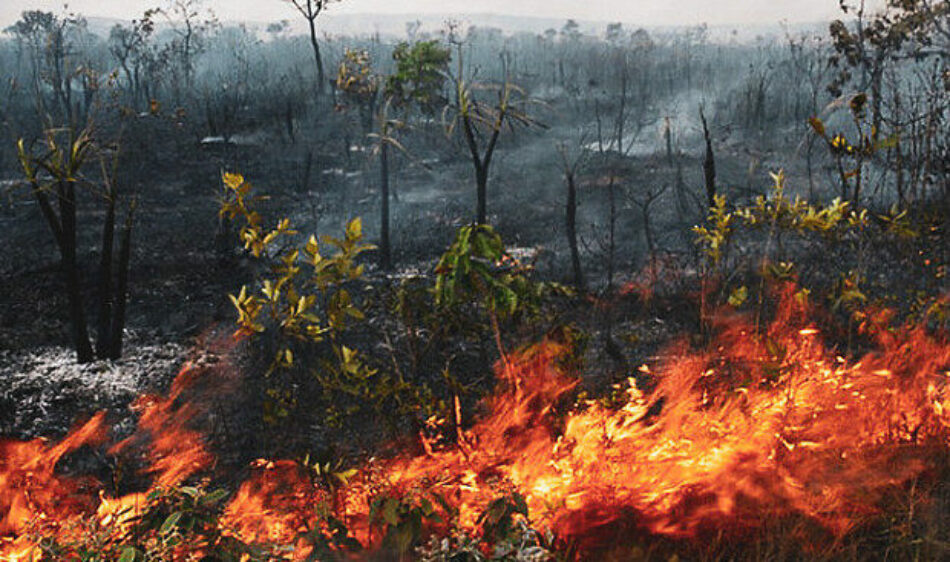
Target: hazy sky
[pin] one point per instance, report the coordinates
(645, 12)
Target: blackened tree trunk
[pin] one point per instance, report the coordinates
(385, 250)
(571, 229)
(321, 78)
(481, 189)
(122, 286)
(611, 230)
(709, 164)
(104, 318)
(877, 88)
(622, 114)
(668, 139)
(310, 9)
(481, 163)
(570, 167)
(70, 265)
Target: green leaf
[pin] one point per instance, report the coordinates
(129, 554)
(170, 523)
(391, 511)
(520, 504)
(214, 497)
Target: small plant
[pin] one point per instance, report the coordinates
(714, 238)
(331, 541)
(420, 75)
(851, 154)
(359, 85)
(476, 269)
(288, 302)
(506, 535)
(402, 521)
(305, 304)
(779, 215)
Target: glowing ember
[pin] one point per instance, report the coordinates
(34, 498)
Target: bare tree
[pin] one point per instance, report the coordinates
(709, 163)
(310, 10)
(570, 164)
(48, 39)
(53, 174)
(809, 57)
(129, 46)
(643, 200)
(191, 25)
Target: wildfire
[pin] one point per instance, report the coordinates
(30, 490)
(34, 498)
(755, 427)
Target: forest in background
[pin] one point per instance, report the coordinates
(344, 234)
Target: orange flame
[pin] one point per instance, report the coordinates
(758, 426)
(30, 490)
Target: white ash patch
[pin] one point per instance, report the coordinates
(410, 273)
(43, 390)
(525, 254)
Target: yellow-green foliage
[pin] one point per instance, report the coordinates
(776, 210)
(794, 214)
(355, 76)
(304, 300)
(714, 237)
(289, 299)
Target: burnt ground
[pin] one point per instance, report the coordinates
(180, 277)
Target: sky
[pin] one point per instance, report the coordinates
(641, 12)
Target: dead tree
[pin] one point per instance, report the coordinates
(646, 200)
(481, 125)
(709, 163)
(310, 10)
(570, 167)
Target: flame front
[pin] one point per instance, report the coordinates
(33, 498)
(30, 491)
(754, 428)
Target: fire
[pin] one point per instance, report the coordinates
(176, 452)
(759, 426)
(29, 489)
(754, 427)
(271, 506)
(33, 498)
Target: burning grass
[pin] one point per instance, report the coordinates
(754, 429)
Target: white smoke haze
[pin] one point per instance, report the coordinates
(637, 12)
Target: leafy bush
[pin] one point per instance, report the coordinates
(172, 523)
(420, 75)
(306, 301)
(827, 249)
